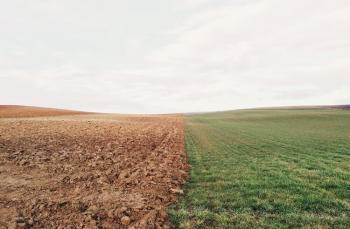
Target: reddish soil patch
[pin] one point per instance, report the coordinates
(105, 172)
(13, 111)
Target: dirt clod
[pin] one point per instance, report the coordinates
(125, 220)
(176, 191)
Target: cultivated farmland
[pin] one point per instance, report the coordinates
(12, 111)
(278, 168)
(88, 170)
(285, 168)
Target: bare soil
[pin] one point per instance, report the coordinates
(13, 111)
(90, 171)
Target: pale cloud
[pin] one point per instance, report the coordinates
(174, 56)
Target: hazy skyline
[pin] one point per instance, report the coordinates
(165, 56)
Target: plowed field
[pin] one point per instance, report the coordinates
(13, 111)
(89, 171)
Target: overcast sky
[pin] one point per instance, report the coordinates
(162, 56)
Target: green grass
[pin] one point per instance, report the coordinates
(267, 169)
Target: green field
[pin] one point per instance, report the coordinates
(273, 168)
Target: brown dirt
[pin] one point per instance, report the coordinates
(13, 111)
(90, 171)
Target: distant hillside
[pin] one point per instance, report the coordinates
(309, 107)
(15, 111)
(339, 107)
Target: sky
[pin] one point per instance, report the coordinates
(166, 56)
